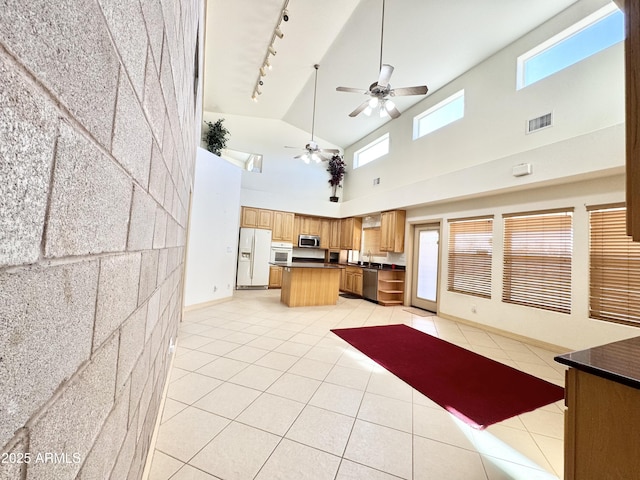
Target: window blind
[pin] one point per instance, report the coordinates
(371, 242)
(470, 253)
(537, 260)
(614, 268)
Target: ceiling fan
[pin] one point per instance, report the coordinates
(313, 151)
(381, 90)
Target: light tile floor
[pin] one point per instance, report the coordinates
(262, 391)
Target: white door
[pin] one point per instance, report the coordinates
(261, 254)
(426, 254)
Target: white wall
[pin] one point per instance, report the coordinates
(587, 101)
(575, 330)
(213, 232)
(285, 183)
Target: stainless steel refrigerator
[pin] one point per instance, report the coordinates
(254, 250)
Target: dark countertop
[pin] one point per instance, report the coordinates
(376, 266)
(617, 361)
(307, 265)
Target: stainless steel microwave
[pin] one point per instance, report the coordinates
(309, 241)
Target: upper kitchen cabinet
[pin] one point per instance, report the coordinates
(325, 233)
(350, 233)
(392, 231)
(334, 239)
(310, 226)
(282, 227)
(256, 218)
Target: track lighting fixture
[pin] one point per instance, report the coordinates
(271, 50)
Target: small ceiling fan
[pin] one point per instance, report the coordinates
(381, 90)
(313, 150)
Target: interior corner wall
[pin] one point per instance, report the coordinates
(285, 183)
(98, 138)
(213, 232)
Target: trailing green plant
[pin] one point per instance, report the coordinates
(215, 136)
(336, 169)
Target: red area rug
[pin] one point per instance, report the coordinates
(476, 389)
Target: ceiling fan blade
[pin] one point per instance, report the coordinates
(330, 150)
(418, 90)
(393, 112)
(349, 89)
(359, 109)
(299, 156)
(297, 148)
(385, 75)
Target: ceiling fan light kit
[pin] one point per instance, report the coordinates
(271, 50)
(380, 90)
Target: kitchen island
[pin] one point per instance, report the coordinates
(602, 420)
(309, 284)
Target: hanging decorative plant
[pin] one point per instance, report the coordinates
(215, 136)
(336, 169)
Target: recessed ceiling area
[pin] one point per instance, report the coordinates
(427, 41)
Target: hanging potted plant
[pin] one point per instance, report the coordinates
(336, 169)
(215, 136)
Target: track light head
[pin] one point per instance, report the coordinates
(278, 32)
(285, 16)
(272, 50)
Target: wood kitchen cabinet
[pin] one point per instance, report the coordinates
(310, 225)
(334, 239)
(282, 227)
(351, 233)
(601, 428)
(256, 218)
(275, 276)
(325, 233)
(631, 10)
(602, 419)
(352, 280)
(249, 217)
(391, 287)
(392, 231)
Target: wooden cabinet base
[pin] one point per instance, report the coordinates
(391, 287)
(601, 428)
(304, 287)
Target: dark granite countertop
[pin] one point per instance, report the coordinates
(307, 265)
(617, 361)
(376, 266)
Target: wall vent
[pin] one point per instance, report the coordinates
(539, 123)
(376, 181)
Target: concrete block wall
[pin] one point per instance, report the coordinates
(99, 124)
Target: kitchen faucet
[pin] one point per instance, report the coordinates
(369, 255)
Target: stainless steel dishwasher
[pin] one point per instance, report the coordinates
(370, 284)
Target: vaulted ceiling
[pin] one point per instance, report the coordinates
(427, 41)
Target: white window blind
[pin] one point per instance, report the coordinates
(470, 253)
(537, 260)
(614, 268)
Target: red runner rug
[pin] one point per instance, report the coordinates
(476, 389)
